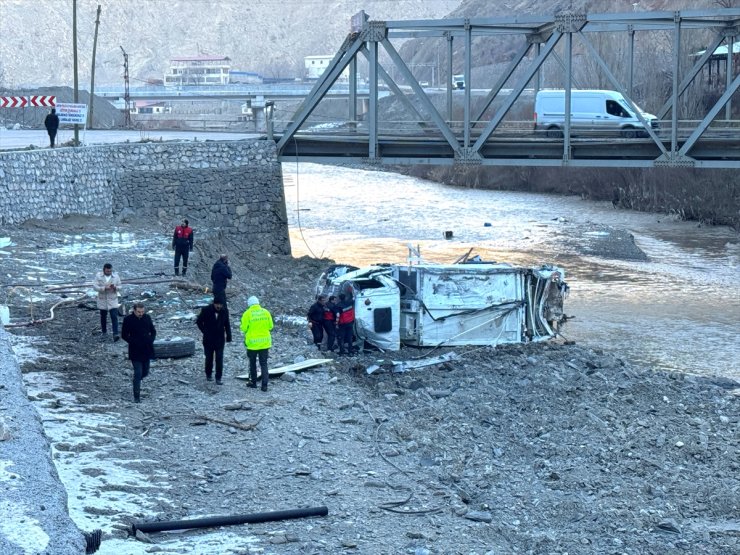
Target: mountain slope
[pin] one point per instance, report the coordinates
(267, 36)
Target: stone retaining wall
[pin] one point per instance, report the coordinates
(230, 186)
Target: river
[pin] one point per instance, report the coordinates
(679, 310)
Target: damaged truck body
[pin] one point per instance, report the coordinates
(429, 305)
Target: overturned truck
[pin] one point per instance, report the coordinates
(450, 304)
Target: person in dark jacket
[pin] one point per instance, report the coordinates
(220, 274)
(316, 320)
(345, 324)
(330, 322)
(138, 331)
(182, 243)
(213, 322)
(51, 122)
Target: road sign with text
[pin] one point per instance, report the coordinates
(72, 113)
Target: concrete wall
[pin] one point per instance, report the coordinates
(230, 186)
(33, 501)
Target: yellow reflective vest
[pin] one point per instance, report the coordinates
(256, 325)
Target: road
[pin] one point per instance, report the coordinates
(11, 139)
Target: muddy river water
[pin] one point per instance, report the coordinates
(677, 310)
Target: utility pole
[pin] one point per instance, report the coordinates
(92, 72)
(74, 63)
(126, 95)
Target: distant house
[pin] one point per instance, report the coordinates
(316, 65)
(150, 107)
(198, 70)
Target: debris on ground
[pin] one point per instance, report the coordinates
(525, 448)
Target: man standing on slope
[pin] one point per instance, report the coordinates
(220, 274)
(256, 325)
(138, 331)
(182, 243)
(108, 284)
(213, 322)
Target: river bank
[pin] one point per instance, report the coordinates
(705, 196)
(520, 449)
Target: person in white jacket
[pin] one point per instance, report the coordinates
(107, 284)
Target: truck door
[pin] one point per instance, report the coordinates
(378, 312)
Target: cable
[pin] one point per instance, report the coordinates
(298, 200)
(50, 318)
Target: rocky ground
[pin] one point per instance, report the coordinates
(541, 448)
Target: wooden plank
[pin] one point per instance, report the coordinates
(295, 367)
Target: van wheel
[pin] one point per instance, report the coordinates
(554, 133)
(629, 133)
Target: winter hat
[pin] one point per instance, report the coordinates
(252, 301)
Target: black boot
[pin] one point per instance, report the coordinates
(177, 271)
(184, 270)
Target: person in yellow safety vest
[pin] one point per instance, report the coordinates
(256, 325)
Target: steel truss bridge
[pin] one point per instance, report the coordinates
(485, 135)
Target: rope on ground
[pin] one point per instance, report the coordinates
(33, 322)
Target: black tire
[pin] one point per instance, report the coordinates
(177, 347)
(629, 133)
(554, 133)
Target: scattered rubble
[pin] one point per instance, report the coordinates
(532, 448)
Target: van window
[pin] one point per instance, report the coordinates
(615, 109)
(382, 320)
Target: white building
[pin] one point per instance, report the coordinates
(316, 65)
(198, 70)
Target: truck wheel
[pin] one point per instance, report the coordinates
(554, 133)
(177, 347)
(629, 133)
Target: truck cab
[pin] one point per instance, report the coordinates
(458, 82)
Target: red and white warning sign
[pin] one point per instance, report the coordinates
(13, 101)
(43, 100)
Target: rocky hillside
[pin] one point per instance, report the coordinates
(653, 66)
(36, 48)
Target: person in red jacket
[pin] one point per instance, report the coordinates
(331, 313)
(345, 324)
(316, 320)
(182, 242)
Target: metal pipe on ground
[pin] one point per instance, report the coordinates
(253, 518)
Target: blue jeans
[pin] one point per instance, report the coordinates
(113, 318)
(141, 371)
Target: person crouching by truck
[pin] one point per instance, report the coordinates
(316, 320)
(345, 324)
(182, 243)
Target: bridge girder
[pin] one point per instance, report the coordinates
(438, 138)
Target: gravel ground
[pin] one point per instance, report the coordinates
(540, 448)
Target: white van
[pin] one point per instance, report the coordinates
(593, 112)
(431, 305)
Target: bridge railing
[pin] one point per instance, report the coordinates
(718, 129)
